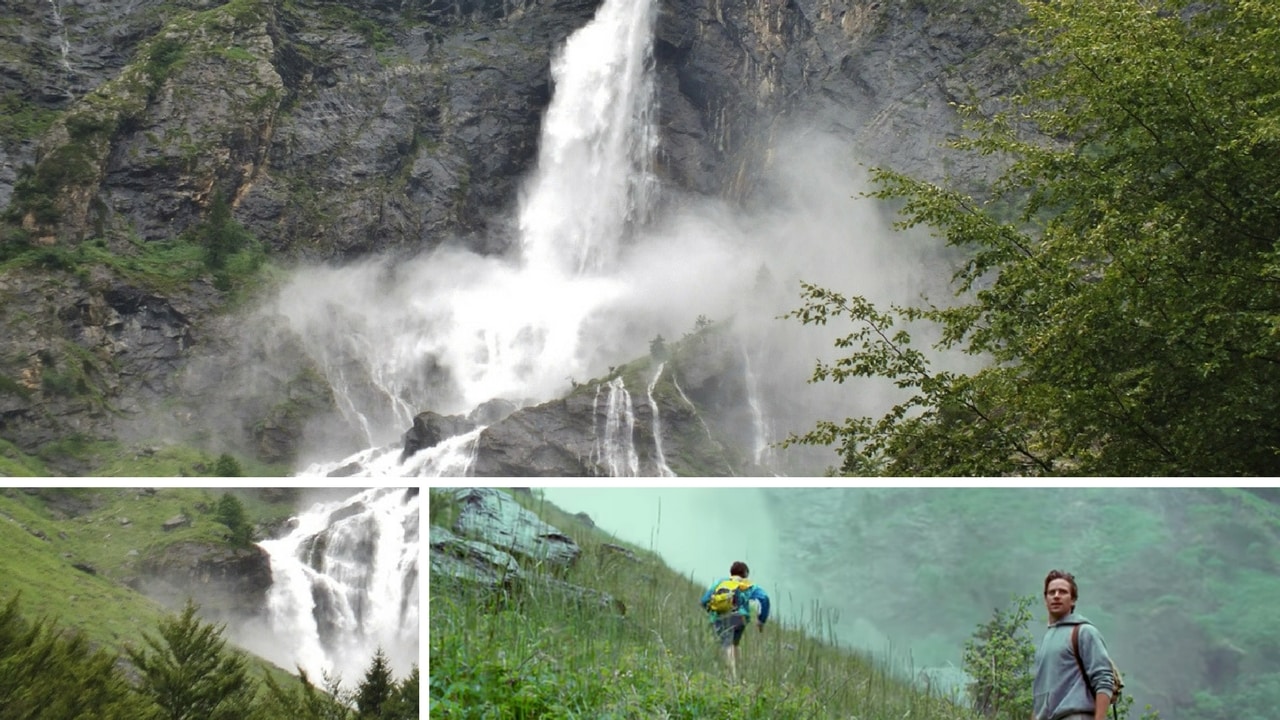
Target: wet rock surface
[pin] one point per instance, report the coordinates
(492, 536)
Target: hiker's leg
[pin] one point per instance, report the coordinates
(724, 633)
(735, 650)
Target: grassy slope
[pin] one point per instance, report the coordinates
(107, 612)
(535, 655)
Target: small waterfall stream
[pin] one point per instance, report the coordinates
(764, 451)
(660, 457)
(615, 447)
(64, 46)
(345, 583)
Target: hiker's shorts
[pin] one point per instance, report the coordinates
(729, 628)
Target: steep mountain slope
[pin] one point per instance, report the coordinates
(154, 159)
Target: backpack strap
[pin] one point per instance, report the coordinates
(1075, 651)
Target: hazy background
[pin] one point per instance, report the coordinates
(1182, 582)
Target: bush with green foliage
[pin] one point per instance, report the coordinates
(1122, 276)
(231, 513)
(999, 659)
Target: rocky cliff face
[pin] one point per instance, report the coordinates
(334, 131)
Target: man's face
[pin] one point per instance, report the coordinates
(1057, 597)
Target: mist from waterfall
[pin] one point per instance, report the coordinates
(345, 583)
(593, 279)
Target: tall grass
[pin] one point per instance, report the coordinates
(531, 652)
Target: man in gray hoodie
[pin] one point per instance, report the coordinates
(1062, 692)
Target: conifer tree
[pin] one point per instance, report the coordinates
(403, 704)
(231, 513)
(375, 690)
(307, 702)
(190, 674)
(46, 674)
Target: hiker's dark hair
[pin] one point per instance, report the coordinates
(1063, 575)
(738, 569)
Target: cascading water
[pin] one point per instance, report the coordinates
(764, 451)
(64, 45)
(345, 583)
(660, 458)
(597, 143)
(457, 330)
(615, 448)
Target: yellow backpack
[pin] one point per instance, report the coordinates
(727, 595)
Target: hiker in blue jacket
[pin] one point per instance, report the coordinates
(728, 603)
(1068, 686)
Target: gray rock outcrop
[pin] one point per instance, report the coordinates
(503, 523)
(223, 581)
(492, 534)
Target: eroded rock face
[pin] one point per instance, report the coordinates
(223, 581)
(472, 561)
(333, 139)
(498, 519)
(494, 536)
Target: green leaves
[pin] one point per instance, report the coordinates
(1120, 278)
(999, 660)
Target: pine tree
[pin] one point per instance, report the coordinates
(308, 702)
(374, 691)
(190, 674)
(403, 704)
(46, 674)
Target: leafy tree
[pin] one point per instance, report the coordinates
(190, 674)
(375, 689)
(46, 674)
(999, 659)
(231, 513)
(1122, 282)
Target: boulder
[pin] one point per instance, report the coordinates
(494, 517)
(223, 580)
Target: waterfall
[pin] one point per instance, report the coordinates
(452, 457)
(452, 330)
(615, 444)
(664, 470)
(594, 176)
(64, 46)
(344, 583)
(764, 451)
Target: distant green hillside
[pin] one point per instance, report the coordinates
(529, 653)
(77, 642)
(108, 532)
